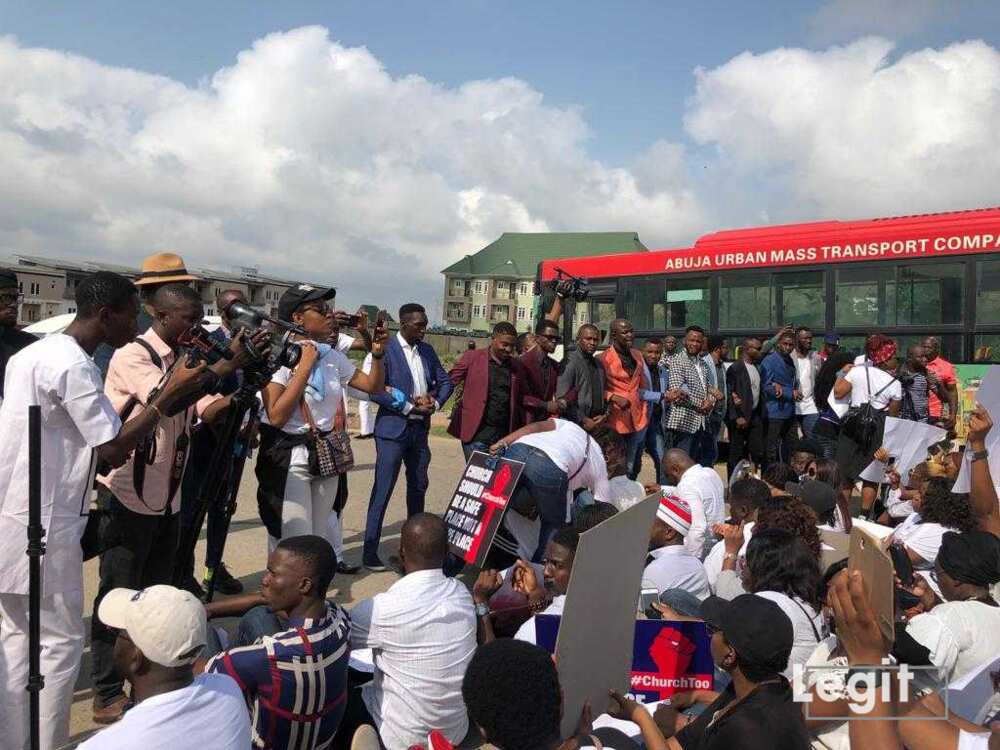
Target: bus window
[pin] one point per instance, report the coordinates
(602, 312)
(745, 301)
(862, 298)
(803, 298)
(988, 291)
(986, 348)
(929, 293)
(688, 302)
(645, 302)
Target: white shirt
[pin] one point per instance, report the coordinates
(882, 381)
(715, 557)
(338, 370)
(673, 567)
(576, 453)
(623, 492)
(76, 418)
(923, 538)
(961, 636)
(804, 619)
(527, 631)
(754, 374)
(423, 634)
(834, 735)
(804, 370)
(417, 373)
(208, 713)
(703, 490)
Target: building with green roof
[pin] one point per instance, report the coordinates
(496, 283)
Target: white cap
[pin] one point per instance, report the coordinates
(167, 624)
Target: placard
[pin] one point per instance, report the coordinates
(667, 657)
(907, 442)
(869, 556)
(989, 396)
(477, 506)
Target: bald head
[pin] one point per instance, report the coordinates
(423, 542)
(675, 463)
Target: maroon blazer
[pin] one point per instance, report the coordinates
(472, 372)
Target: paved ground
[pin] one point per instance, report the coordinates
(246, 549)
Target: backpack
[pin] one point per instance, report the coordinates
(862, 423)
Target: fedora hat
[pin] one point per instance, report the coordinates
(163, 268)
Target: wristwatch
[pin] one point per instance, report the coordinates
(981, 455)
(482, 609)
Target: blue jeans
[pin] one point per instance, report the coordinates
(469, 448)
(542, 484)
(808, 424)
(684, 441)
(634, 443)
(412, 450)
(257, 622)
(653, 446)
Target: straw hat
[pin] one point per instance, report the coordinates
(163, 268)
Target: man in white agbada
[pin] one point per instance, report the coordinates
(79, 427)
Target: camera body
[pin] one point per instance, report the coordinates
(576, 288)
(201, 347)
(283, 351)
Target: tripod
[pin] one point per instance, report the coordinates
(36, 548)
(222, 485)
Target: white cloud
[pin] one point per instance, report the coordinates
(846, 133)
(307, 158)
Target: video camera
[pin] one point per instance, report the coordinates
(574, 286)
(283, 351)
(202, 347)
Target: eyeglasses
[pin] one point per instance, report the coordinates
(11, 298)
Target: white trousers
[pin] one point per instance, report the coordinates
(366, 415)
(62, 635)
(308, 508)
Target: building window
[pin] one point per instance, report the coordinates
(477, 311)
(522, 288)
(521, 313)
(36, 289)
(501, 286)
(71, 310)
(479, 287)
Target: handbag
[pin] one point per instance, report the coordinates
(862, 423)
(330, 453)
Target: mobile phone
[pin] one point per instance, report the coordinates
(380, 319)
(901, 562)
(646, 599)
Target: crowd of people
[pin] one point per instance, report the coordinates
(446, 656)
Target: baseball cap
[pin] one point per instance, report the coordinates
(299, 295)
(675, 513)
(755, 627)
(167, 624)
(832, 338)
(819, 496)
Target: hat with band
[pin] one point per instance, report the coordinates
(164, 268)
(675, 513)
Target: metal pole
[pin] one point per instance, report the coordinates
(36, 548)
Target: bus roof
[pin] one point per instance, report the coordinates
(925, 235)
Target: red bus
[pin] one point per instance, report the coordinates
(908, 277)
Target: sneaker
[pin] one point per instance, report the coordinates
(110, 713)
(224, 581)
(347, 570)
(375, 565)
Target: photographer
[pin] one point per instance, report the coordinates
(79, 427)
(301, 402)
(141, 498)
(918, 383)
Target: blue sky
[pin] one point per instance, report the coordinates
(371, 144)
(628, 65)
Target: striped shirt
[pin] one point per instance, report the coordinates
(295, 682)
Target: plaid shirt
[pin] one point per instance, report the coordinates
(295, 682)
(690, 375)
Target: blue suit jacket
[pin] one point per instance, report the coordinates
(775, 369)
(391, 423)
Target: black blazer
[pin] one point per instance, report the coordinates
(738, 382)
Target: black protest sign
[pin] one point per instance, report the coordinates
(477, 507)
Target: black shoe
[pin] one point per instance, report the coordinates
(194, 587)
(367, 436)
(375, 565)
(225, 583)
(347, 570)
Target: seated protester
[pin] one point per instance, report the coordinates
(803, 453)
(294, 675)
(791, 514)
(782, 568)
(962, 632)
(669, 565)
(161, 632)
(623, 492)
(777, 477)
(826, 470)
(588, 517)
(514, 698)
(821, 499)
(559, 458)
(702, 489)
(745, 499)
(937, 511)
(549, 596)
(899, 499)
(422, 632)
(751, 640)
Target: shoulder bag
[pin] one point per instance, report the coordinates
(861, 423)
(330, 453)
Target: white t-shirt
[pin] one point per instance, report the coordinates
(575, 452)
(880, 381)
(716, 556)
(804, 370)
(338, 371)
(834, 735)
(806, 625)
(623, 492)
(208, 713)
(527, 631)
(923, 538)
(961, 636)
(76, 418)
(702, 489)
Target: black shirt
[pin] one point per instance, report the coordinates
(767, 719)
(496, 417)
(11, 342)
